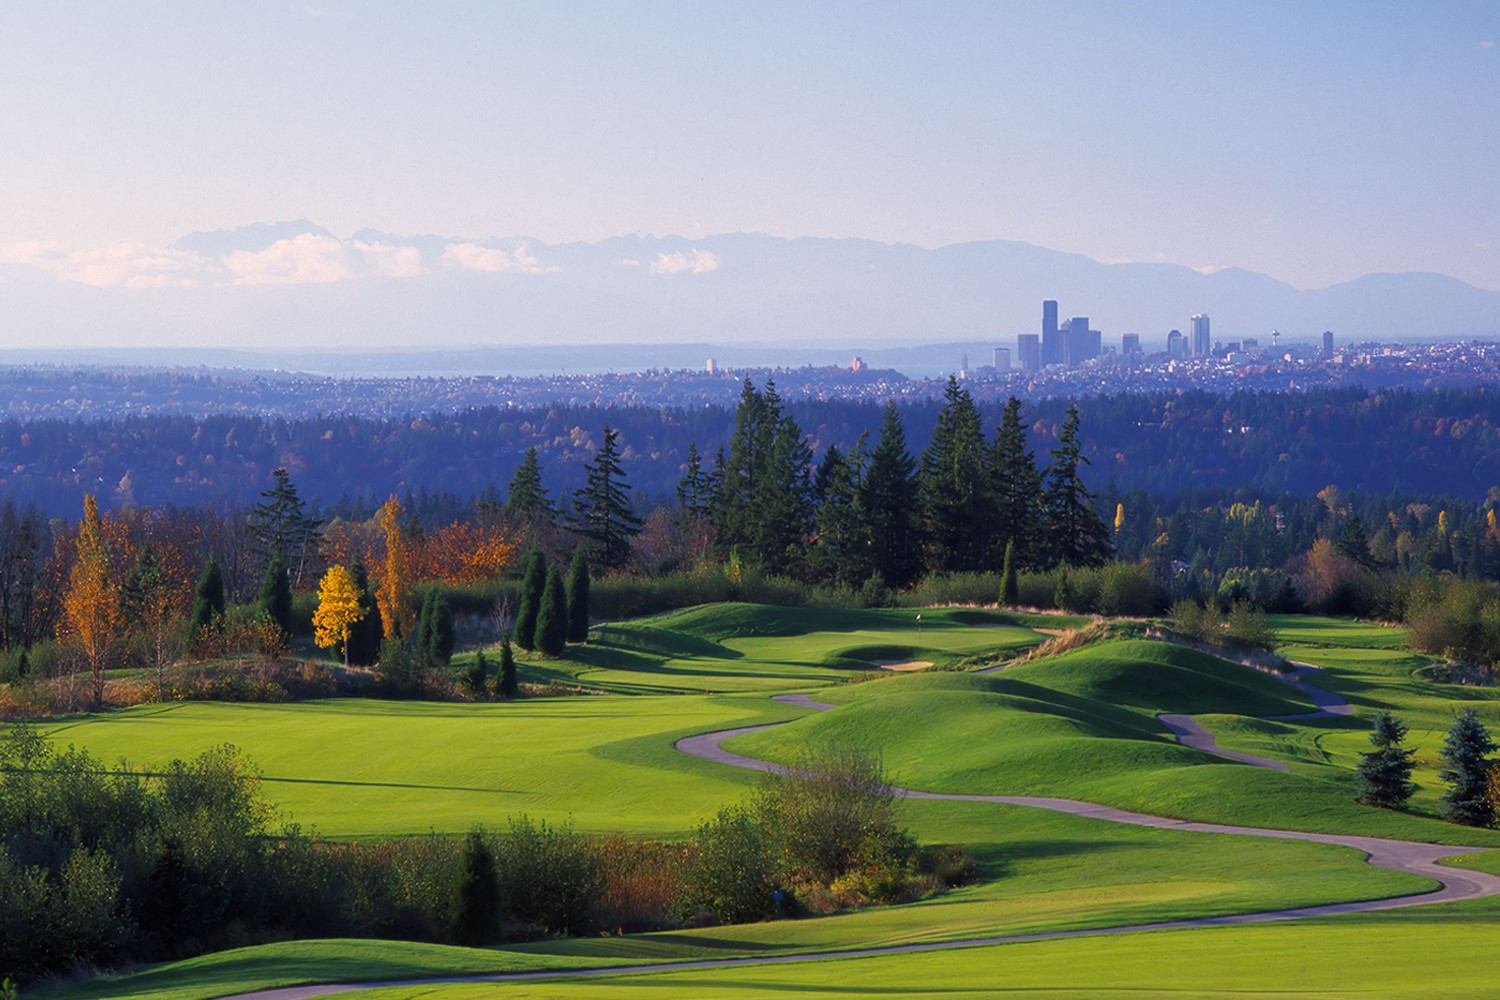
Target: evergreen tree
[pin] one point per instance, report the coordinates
(525, 495)
(276, 596)
(1063, 597)
(578, 597)
(890, 502)
(440, 636)
(1385, 772)
(477, 677)
(695, 488)
(1076, 535)
(1353, 542)
(1010, 591)
(422, 643)
(954, 487)
(604, 516)
(740, 471)
(552, 617)
(365, 636)
(282, 526)
(208, 598)
(1017, 488)
(762, 506)
(843, 552)
(1466, 767)
(477, 901)
(507, 679)
(533, 582)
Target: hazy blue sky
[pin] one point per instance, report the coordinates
(1313, 141)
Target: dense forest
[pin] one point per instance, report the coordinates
(1424, 445)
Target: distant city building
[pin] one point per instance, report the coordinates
(1175, 344)
(1130, 344)
(1052, 338)
(1327, 343)
(1002, 359)
(1202, 343)
(712, 366)
(1029, 352)
(1076, 342)
(857, 365)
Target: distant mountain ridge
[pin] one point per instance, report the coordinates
(297, 284)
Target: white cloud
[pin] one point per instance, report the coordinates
(392, 261)
(628, 262)
(118, 265)
(677, 262)
(473, 257)
(1487, 44)
(308, 259)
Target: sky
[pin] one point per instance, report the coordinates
(1314, 142)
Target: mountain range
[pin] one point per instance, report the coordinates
(295, 285)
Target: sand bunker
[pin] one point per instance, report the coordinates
(902, 665)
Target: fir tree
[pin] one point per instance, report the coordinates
(365, 636)
(1017, 488)
(208, 597)
(476, 902)
(1076, 535)
(477, 677)
(1010, 591)
(843, 551)
(440, 637)
(604, 516)
(1062, 595)
(422, 643)
(1385, 772)
(525, 495)
(1353, 542)
(282, 526)
(276, 596)
(890, 502)
(507, 678)
(695, 488)
(1466, 767)
(954, 487)
(578, 597)
(762, 504)
(552, 617)
(533, 581)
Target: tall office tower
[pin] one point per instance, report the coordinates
(1201, 342)
(1075, 341)
(1002, 359)
(1174, 344)
(1029, 352)
(1052, 339)
(1130, 344)
(1327, 343)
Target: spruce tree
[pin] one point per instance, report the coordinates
(1075, 534)
(1016, 485)
(476, 902)
(695, 488)
(890, 502)
(506, 682)
(552, 617)
(283, 527)
(843, 551)
(761, 497)
(440, 635)
(1385, 772)
(603, 514)
(578, 597)
(365, 635)
(1466, 767)
(1010, 591)
(533, 581)
(276, 596)
(955, 487)
(1062, 595)
(477, 677)
(525, 495)
(208, 598)
(422, 644)
(1353, 541)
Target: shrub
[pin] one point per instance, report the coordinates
(549, 875)
(477, 904)
(731, 875)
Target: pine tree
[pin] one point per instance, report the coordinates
(739, 472)
(477, 678)
(552, 617)
(1010, 591)
(282, 526)
(604, 516)
(1075, 534)
(440, 637)
(525, 495)
(578, 597)
(364, 637)
(843, 554)
(954, 487)
(477, 901)
(761, 499)
(1385, 772)
(208, 598)
(276, 596)
(1063, 597)
(890, 501)
(1353, 541)
(533, 581)
(1017, 488)
(695, 488)
(1467, 765)
(507, 679)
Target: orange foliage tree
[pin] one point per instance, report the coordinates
(392, 597)
(462, 554)
(91, 603)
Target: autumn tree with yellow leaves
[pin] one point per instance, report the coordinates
(392, 598)
(91, 603)
(338, 610)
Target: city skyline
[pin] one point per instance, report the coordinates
(1314, 144)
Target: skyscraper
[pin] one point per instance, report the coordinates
(1002, 359)
(1076, 341)
(1174, 344)
(1130, 344)
(1327, 343)
(1201, 342)
(1052, 341)
(1029, 352)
